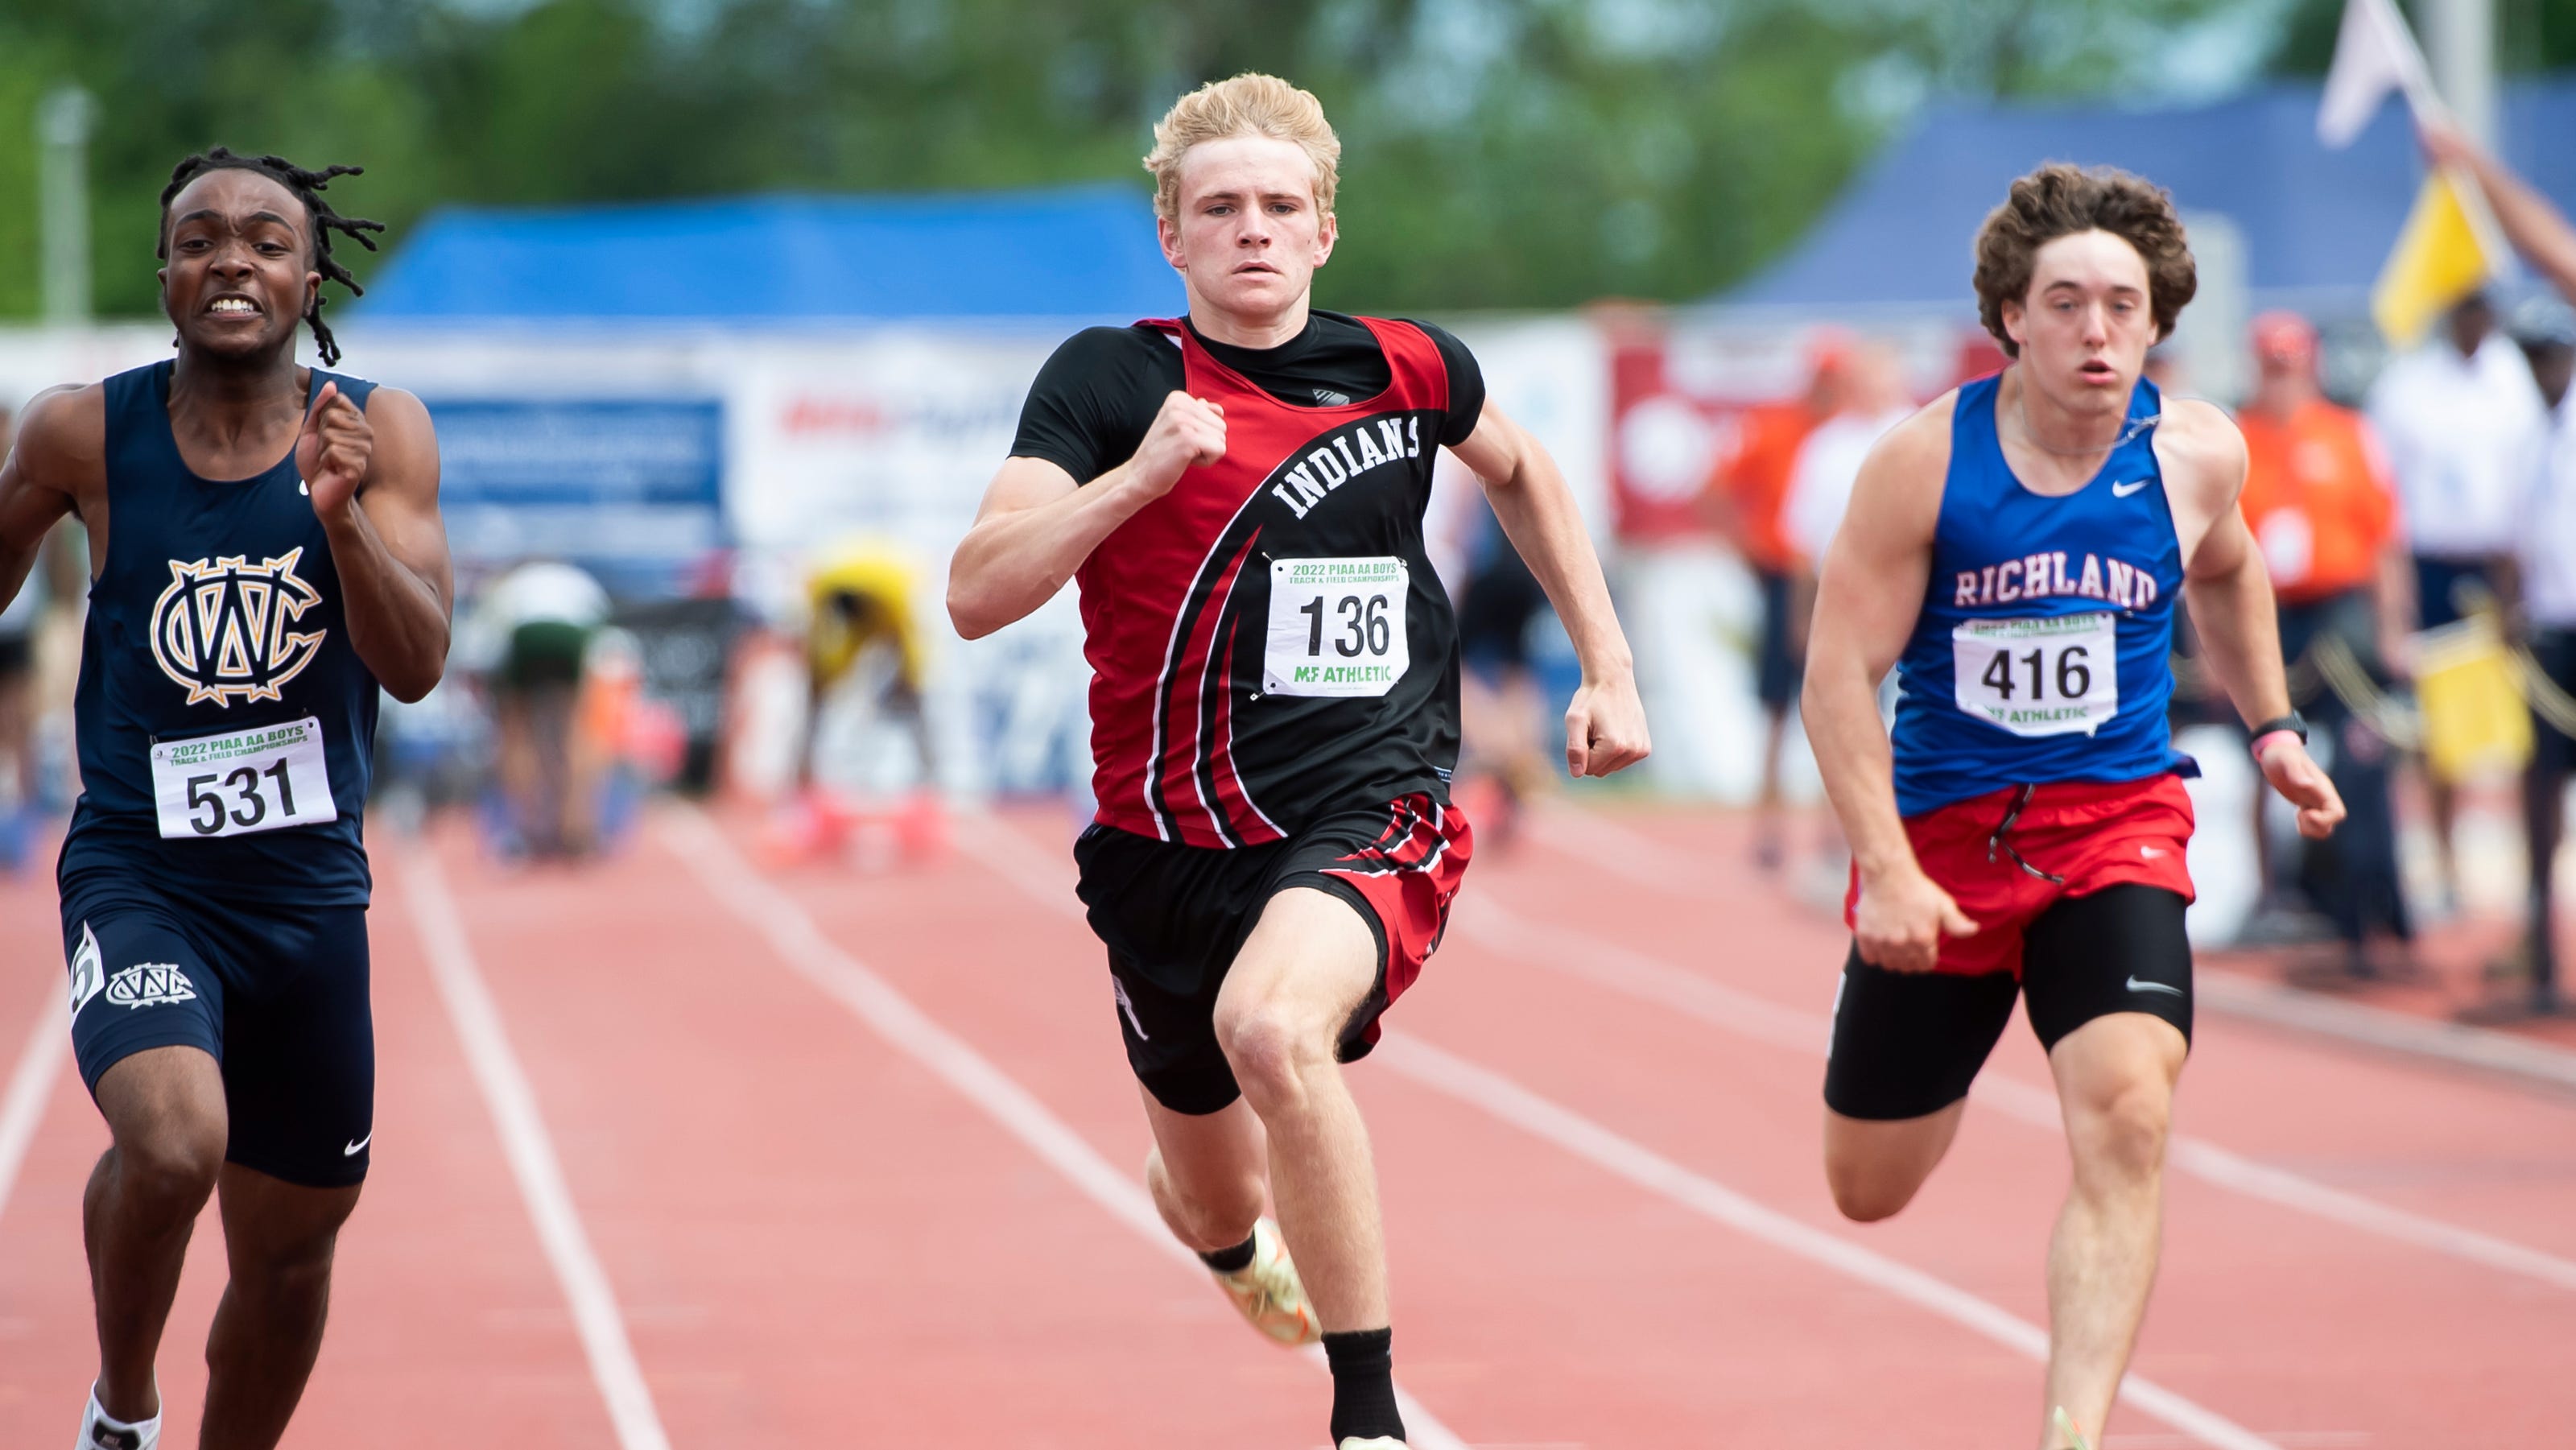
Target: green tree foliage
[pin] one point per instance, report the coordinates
(2531, 35)
(1498, 153)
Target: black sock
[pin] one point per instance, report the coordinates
(1227, 1261)
(1363, 1384)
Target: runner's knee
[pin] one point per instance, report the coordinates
(2119, 1128)
(1867, 1192)
(169, 1165)
(294, 1265)
(1870, 1183)
(1271, 1046)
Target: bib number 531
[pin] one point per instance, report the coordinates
(262, 779)
(1336, 626)
(243, 800)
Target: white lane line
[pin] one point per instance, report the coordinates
(1651, 979)
(531, 1152)
(804, 948)
(2457, 1043)
(30, 1086)
(1504, 1099)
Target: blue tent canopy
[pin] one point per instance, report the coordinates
(1067, 252)
(2317, 223)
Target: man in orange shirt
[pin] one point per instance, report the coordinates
(2321, 504)
(1751, 490)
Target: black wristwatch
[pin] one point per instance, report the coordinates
(2293, 722)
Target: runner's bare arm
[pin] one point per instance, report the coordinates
(1038, 523)
(1605, 727)
(60, 451)
(1869, 591)
(2202, 457)
(374, 481)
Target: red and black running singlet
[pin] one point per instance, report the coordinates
(1268, 640)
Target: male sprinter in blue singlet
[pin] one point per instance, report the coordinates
(266, 551)
(2014, 551)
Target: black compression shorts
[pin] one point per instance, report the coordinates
(1909, 1043)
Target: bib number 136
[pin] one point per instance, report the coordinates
(262, 779)
(1336, 626)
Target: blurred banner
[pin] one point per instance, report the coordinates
(632, 491)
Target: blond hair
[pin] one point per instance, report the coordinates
(1250, 104)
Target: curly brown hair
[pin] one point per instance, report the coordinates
(2059, 200)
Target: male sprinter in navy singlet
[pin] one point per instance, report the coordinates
(266, 551)
(1275, 700)
(2014, 551)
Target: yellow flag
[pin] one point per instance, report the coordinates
(2437, 261)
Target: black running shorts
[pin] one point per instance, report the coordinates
(1909, 1043)
(276, 994)
(1173, 916)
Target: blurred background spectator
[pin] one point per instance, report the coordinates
(2546, 329)
(528, 640)
(1502, 706)
(18, 707)
(2461, 421)
(1751, 495)
(2323, 511)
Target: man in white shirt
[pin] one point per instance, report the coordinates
(1820, 487)
(2460, 421)
(2545, 518)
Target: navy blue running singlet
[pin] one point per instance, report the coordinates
(225, 724)
(2042, 650)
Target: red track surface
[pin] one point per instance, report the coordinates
(816, 1239)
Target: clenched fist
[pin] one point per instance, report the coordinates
(1902, 918)
(1187, 433)
(331, 453)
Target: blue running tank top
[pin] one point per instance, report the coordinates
(225, 725)
(2042, 652)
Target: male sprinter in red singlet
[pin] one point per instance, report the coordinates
(2014, 550)
(1275, 703)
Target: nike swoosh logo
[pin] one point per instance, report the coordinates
(360, 1146)
(2151, 852)
(306, 489)
(2137, 986)
(2123, 490)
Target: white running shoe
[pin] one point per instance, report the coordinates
(100, 1432)
(1267, 1291)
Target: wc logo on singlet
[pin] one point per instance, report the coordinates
(225, 629)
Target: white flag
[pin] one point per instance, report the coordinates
(2374, 54)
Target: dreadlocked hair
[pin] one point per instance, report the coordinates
(307, 186)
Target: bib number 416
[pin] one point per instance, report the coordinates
(2053, 676)
(2073, 673)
